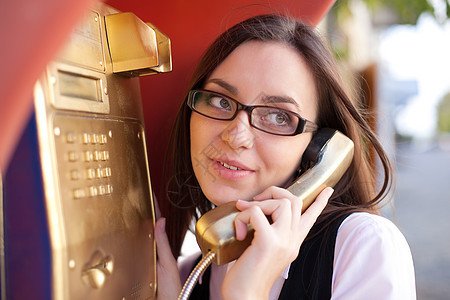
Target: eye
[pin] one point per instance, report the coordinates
(278, 118)
(274, 120)
(220, 102)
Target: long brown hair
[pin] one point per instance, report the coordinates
(356, 191)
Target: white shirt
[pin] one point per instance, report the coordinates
(372, 260)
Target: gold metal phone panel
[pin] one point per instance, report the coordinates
(94, 161)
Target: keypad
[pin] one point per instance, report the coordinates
(88, 155)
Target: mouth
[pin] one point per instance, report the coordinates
(230, 167)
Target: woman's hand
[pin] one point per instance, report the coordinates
(169, 285)
(275, 245)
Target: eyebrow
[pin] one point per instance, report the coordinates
(280, 99)
(266, 99)
(233, 90)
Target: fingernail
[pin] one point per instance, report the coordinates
(242, 201)
(257, 197)
(239, 203)
(330, 190)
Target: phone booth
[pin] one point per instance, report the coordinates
(77, 206)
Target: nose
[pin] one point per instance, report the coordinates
(238, 133)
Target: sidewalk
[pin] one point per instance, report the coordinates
(422, 212)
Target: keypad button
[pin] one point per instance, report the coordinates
(72, 156)
(101, 190)
(93, 191)
(97, 155)
(108, 189)
(103, 139)
(107, 172)
(86, 138)
(79, 193)
(88, 156)
(94, 138)
(74, 174)
(90, 173)
(71, 138)
(104, 155)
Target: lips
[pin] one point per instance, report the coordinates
(231, 169)
(232, 165)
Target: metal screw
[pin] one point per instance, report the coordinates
(72, 264)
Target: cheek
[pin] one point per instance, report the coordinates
(203, 134)
(198, 136)
(193, 136)
(283, 159)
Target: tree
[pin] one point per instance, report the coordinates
(444, 114)
(406, 11)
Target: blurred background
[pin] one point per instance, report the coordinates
(396, 56)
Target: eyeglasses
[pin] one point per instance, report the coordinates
(269, 119)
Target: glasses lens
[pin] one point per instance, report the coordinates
(275, 120)
(213, 105)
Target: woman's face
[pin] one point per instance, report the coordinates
(234, 161)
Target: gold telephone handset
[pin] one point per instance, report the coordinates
(325, 161)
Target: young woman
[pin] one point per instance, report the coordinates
(257, 97)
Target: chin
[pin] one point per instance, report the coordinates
(222, 197)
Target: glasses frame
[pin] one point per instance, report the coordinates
(304, 125)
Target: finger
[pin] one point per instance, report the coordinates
(253, 216)
(277, 209)
(165, 257)
(157, 210)
(310, 216)
(169, 285)
(273, 192)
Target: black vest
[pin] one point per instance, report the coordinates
(310, 273)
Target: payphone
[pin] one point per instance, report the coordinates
(77, 209)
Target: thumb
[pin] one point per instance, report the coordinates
(165, 257)
(169, 284)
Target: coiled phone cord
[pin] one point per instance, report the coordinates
(195, 274)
